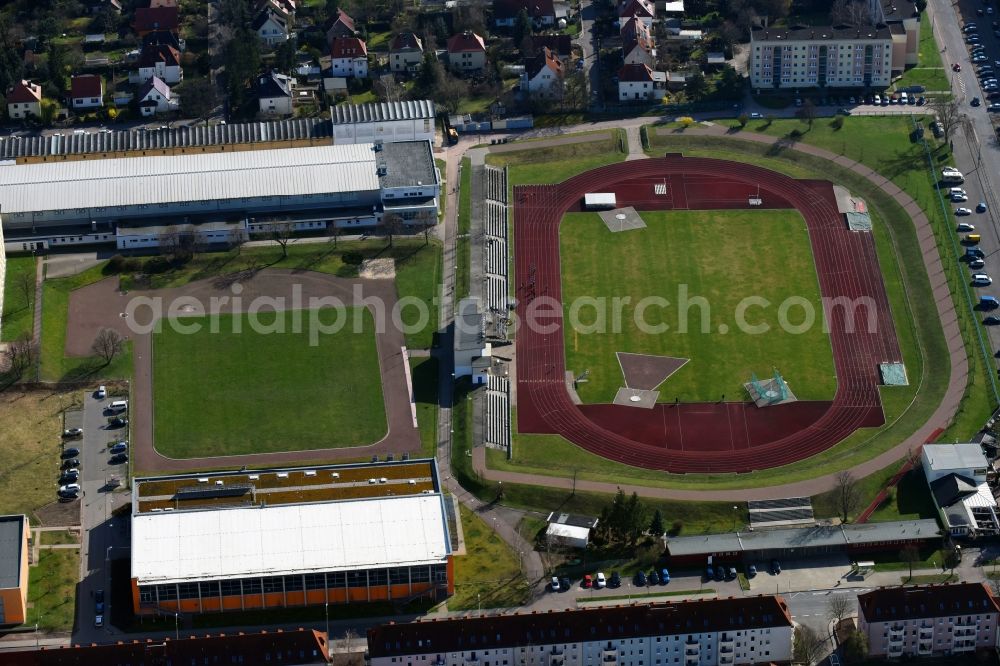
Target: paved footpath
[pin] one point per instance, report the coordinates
(941, 417)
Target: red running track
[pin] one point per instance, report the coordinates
(699, 437)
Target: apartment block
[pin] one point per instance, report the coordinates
(949, 620)
(821, 57)
(712, 632)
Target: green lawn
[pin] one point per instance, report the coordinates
(929, 71)
(718, 258)
(55, 365)
(57, 537)
(52, 589)
(227, 393)
(554, 164)
(18, 298)
(424, 372)
(489, 574)
(917, 328)
(465, 197)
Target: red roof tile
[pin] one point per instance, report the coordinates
(86, 85)
(24, 92)
(466, 41)
(155, 18)
(636, 72)
(301, 646)
(577, 625)
(348, 47)
(155, 53)
(910, 603)
(406, 40)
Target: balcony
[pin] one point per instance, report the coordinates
(925, 647)
(725, 659)
(964, 646)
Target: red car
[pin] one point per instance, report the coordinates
(588, 581)
(956, 67)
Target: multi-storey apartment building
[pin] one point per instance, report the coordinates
(823, 57)
(933, 620)
(707, 632)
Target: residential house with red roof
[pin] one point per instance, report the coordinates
(466, 52)
(160, 60)
(24, 99)
(737, 630)
(560, 45)
(349, 57)
(406, 52)
(148, 19)
(638, 82)
(342, 26)
(637, 44)
(543, 76)
(644, 10)
(541, 12)
(86, 91)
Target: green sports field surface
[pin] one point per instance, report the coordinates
(721, 256)
(230, 393)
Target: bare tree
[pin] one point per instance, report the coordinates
(807, 112)
(808, 647)
(108, 344)
(911, 555)
(393, 224)
(948, 113)
(849, 12)
(838, 607)
(280, 233)
(387, 89)
(25, 284)
(20, 354)
(847, 494)
(177, 247)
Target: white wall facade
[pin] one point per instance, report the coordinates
(951, 635)
(630, 91)
(809, 63)
(168, 74)
(19, 110)
(276, 106)
(356, 67)
(753, 646)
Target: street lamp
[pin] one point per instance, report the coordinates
(735, 509)
(177, 628)
(326, 613)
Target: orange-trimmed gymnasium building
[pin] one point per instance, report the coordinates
(240, 540)
(13, 569)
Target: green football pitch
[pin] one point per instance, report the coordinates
(705, 265)
(231, 393)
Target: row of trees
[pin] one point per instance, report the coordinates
(626, 520)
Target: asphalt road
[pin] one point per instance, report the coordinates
(977, 153)
(101, 537)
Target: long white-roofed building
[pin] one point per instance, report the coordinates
(224, 541)
(134, 202)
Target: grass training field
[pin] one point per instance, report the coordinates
(232, 393)
(721, 256)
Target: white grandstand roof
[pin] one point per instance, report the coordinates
(954, 456)
(217, 544)
(165, 179)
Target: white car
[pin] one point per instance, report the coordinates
(98, 621)
(555, 583)
(957, 190)
(600, 581)
(75, 487)
(965, 227)
(101, 393)
(878, 100)
(981, 280)
(963, 211)
(959, 198)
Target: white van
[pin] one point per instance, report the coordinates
(903, 98)
(118, 406)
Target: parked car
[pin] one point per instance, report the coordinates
(118, 422)
(732, 573)
(977, 263)
(69, 453)
(720, 572)
(101, 393)
(70, 463)
(664, 576)
(751, 571)
(69, 476)
(555, 583)
(99, 602)
(981, 280)
(615, 580)
(98, 621)
(70, 487)
(118, 459)
(600, 582)
(965, 227)
(959, 198)
(564, 584)
(993, 108)
(588, 581)
(73, 432)
(709, 572)
(640, 579)
(992, 320)
(653, 578)
(963, 211)
(775, 567)
(120, 447)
